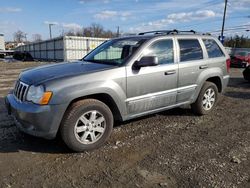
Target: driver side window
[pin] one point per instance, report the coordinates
(163, 49)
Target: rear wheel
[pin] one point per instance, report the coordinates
(206, 100)
(87, 125)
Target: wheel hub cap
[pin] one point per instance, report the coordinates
(90, 127)
(208, 99)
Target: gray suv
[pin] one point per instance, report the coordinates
(122, 79)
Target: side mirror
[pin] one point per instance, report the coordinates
(147, 61)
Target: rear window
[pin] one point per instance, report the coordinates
(213, 49)
(190, 49)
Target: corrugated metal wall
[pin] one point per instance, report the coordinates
(67, 48)
(78, 47)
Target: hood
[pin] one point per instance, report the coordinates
(60, 70)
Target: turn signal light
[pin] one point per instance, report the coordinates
(46, 97)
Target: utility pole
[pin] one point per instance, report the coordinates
(25, 36)
(50, 34)
(223, 22)
(118, 31)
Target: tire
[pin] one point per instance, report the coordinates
(198, 106)
(86, 125)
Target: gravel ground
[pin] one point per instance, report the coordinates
(170, 149)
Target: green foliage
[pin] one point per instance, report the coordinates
(237, 42)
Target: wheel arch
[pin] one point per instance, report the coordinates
(215, 78)
(217, 81)
(106, 99)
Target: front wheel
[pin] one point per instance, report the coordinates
(87, 125)
(206, 100)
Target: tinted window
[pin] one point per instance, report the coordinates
(190, 49)
(213, 49)
(162, 49)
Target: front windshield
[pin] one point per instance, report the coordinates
(114, 52)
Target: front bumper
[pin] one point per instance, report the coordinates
(37, 120)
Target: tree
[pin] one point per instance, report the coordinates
(95, 30)
(37, 37)
(19, 36)
(70, 33)
(238, 42)
(87, 32)
(109, 34)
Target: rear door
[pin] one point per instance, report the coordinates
(216, 57)
(154, 87)
(192, 62)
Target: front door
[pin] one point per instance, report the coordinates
(153, 87)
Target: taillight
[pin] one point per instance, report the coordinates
(228, 64)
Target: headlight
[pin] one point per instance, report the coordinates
(38, 95)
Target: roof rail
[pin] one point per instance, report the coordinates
(167, 32)
(156, 32)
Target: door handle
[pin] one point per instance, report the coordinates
(203, 67)
(170, 72)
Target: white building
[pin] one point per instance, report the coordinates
(2, 43)
(67, 48)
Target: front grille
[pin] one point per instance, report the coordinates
(21, 90)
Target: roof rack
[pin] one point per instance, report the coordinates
(206, 33)
(156, 32)
(167, 32)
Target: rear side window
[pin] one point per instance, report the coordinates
(190, 49)
(213, 49)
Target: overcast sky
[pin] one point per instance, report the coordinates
(31, 16)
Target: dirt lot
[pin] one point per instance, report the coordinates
(168, 149)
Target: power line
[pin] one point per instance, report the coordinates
(233, 29)
(214, 21)
(206, 4)
(193, 7)
(244, 26)
(203, 23)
